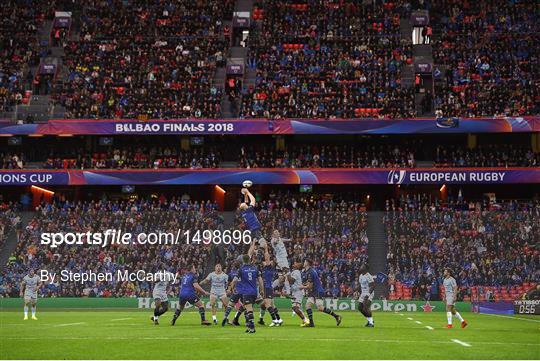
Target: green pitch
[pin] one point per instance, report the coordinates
(131, 335)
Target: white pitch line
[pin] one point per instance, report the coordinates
(461, 342)
(401, 314)
(409, 318)
(511, 317)
(430, 328)
(292, 339)
(418, 322)
(122, 319)
(69, 324)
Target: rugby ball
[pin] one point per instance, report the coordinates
(247, 183)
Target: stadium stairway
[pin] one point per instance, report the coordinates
(218, 252)
(377, 248)
(11, 241)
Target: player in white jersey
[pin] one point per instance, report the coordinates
(450, 295)
(218, 289)
(29, 290)
(297, 292)
(367, 286)
(282, 261)
(159, 293)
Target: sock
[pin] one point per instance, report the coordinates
(272, 312)
(228, 311)
(201, 313)
(457, 315)
(177, 313)
(249, 320)
(34, 311)
(310, 316)
(239, 313)
(449, 317)
(156, 312)
(262, 312)
(276, 312)
(330, 312)
(25, 311)
(162, 309)
(214, 317)
(370, 320)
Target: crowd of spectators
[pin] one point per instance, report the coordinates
(327, 156)
(9, 219)
(146, 59)
(328, 59)
(499, 155)
(483, 243)
(133, 217)
(12, 160)
(137, 158)
(19, 48)
(490, 51)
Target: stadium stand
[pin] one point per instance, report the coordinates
(162, 67)
(264, 154)
(490, 52)
(492, 247)
(97, 216)
(19, 49)
(322, 59)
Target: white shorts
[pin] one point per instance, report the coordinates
(218, 294)
(30, 298)
(297, 298)
(449, 300)
(282, 263)
(363, 295)
(316, 301)
(160, 296)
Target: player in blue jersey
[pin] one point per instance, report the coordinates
(249, 282)
(247, 211)
(188, 293)
(269, 274)
(235, 297)
(315, 294)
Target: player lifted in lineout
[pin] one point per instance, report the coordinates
(160, 296)
(450, 295)
(188, 293)
(367, 291)
(218, 289)
(315, 294)
(29, 290)
(247, 211)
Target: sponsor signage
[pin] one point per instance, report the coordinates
(47, 69)
(235, 69)
(269, 126)
(339, 304)
(271, 176)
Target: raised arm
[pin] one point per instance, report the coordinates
(200, 289)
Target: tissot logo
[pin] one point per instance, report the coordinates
(396, 176)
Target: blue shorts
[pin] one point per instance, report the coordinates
(249, 299)
(185, 299)
(268, 292)
(235, 298)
